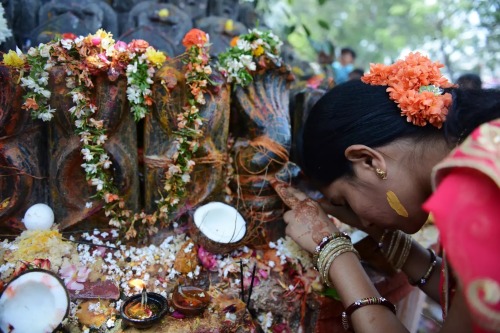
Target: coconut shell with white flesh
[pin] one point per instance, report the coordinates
(218, 227)
(34, 302)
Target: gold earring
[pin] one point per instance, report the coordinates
(381, 173)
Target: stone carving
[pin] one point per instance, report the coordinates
(69, 190)
(75, 17)
(196, 9)
(124, 6)
(247, 15)
(301, 103)
(261, 124)
(22, 142)
(221, 31)
(22, 18)
(162, 25)
(225, 8)
(207, 178)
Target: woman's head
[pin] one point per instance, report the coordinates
(356, 129)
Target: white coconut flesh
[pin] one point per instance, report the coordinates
(35, 302)
(39, 217)
(220, 223)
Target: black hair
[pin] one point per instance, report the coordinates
(348, 50)
(356, 74)
(359, 113)
(469, 81)
(470, 108)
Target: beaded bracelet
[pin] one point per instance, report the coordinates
(361, 303)
(424, 279)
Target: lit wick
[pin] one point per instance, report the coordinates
(141, 309)
(139, 284)
(144, 297)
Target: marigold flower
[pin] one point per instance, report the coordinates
(258, 51)
(415, 85)
(157, 58)
(234, 41)
(13, 59)
(195, 37)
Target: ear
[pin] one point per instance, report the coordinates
(365, 159)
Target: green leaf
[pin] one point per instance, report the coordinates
(324, 24)
(306, 29)
(290, 2)
(289, 29)
(332, 293)
(321, 2)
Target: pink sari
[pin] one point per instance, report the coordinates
(466, 210)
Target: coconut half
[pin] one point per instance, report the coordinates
(220, 223)
(34, 302)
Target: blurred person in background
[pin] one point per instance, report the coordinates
(344, 66)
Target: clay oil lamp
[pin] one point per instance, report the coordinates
(143, 310)
(190, 300)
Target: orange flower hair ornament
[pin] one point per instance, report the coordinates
(416, 85)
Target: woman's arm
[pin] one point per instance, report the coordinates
(307, 222)
(418, 260)
(352, 284)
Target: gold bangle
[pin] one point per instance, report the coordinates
(329, 254)
(325, 241)
(328, 247)
(391, 245)
(329, 250)
(329, 262)
(394, 250)
(405, 253)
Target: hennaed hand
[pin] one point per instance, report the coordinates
(307, 223)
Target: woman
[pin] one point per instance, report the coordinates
(374, 168)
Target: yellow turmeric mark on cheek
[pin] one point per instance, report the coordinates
(395, 204)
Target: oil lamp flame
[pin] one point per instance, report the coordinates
(137, 283)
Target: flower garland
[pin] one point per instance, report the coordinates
(247, 53)
(415, 84)
(189, 122)
(82, 58)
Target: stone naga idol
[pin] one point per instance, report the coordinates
(69, 190)
(22, 155)
(162, 25)
(160, 146)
